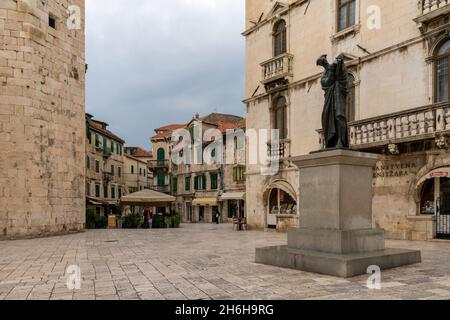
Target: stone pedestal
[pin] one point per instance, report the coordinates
(336, 235)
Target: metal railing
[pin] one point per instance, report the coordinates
(158, 164)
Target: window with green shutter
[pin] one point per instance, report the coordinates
(175, 184)
(97, 191)
(88, 134)
(196, 183)
(105, 146)
(187, 184)
(97, 166)
(214, 181)
(97, 140)
(204, 186)
(112, 146)
(161, 181)
(239, 174)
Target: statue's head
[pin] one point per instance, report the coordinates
(322, 61)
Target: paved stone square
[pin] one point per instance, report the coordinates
(196, 262)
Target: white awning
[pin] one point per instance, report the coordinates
(148, 198)
(233, 196)
(205, 202)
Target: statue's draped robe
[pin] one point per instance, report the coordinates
(334, 122)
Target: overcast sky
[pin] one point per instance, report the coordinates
(155, 62)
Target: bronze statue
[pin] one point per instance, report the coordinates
(334, 121)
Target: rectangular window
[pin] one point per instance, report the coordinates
(346, 14)
(97, 140)
(88, 189)
(88, 162)
(105, 146)
(97, 166)
(132, 169)
(113, 192)
(88, 134)
(175, 184)
(119, 149)
(187, 184)
(442, 73)
(112, 170)
(214, 181)
(97, 191)
(161, 181)
(119, 172)
(112, 146)
(196, 184)
(120, 193)
(239, 174)
(140, 171)
(105, 192)
(52, 21)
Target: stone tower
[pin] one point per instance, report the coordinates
(42, 117)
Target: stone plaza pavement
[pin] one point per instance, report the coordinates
(196, 262)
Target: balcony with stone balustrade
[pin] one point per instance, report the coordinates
(278, 68)
(430, 122)
(430, 12)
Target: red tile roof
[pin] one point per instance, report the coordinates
(138, 152)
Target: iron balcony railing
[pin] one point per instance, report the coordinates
(162, 189)
(158, 164)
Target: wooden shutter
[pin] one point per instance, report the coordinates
(196, 183)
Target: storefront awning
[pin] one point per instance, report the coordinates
(233, 196)
(147, 198)
(93, 201)
(205, 202)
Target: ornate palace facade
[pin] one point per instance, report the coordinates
(397, 54)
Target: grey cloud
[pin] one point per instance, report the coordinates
(153, 62)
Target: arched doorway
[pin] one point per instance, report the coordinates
(434, 196)
(443, 216)
(281, 202)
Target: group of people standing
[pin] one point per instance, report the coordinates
(148, 219)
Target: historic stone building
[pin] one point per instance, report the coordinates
(397, 54)
(143, 155)
(202, 189)
(42, 117)
(105, 168)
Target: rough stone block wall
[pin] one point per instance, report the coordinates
(42, 119)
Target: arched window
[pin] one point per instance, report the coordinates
(280, 38)
(280, 117)
(350, 108)
(442, 72)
